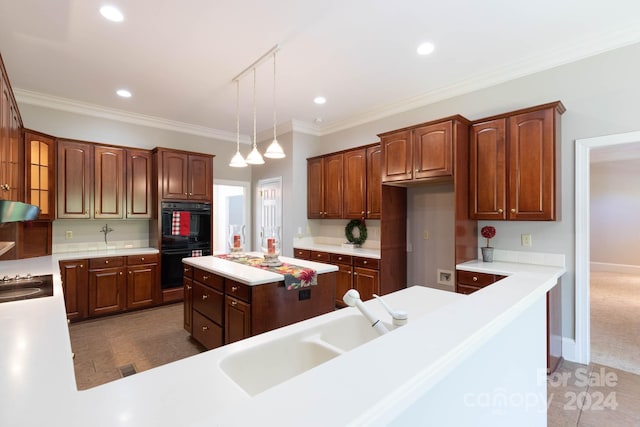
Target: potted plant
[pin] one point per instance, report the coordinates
(487, 232)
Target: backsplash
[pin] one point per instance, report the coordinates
(86, 235)
(538, 258)
(331, 232)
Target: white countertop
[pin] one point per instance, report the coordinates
(252, 275)
(38, 386)
(336, 249)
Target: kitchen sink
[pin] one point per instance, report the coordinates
(261, 367)
(26, 288)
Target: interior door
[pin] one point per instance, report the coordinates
(269, 207)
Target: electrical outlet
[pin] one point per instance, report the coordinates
(525, 239)
(68, 235)
(425, 235)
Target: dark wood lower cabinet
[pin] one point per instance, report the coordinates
(98, 286)
(215, 303)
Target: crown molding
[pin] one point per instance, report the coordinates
(77, 107)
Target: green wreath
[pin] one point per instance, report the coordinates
(362, 235)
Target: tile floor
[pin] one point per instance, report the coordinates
(594, 395)
(578, 395)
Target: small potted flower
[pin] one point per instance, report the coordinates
(488, 232)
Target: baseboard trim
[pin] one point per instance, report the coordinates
(614, 268)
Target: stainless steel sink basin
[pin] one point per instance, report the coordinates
(26, 288)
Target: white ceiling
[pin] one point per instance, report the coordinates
(179, 57)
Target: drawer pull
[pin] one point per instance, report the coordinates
(205, 277)
(186, 270)
(234, 288)
(234, 303)
(204, 297)
(205, 328)
(188, 287)
(142, 258)
(475, 278)
(106, 262)
(364, 262)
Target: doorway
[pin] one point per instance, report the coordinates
(232, 205)
(582, 239)
(268, 206)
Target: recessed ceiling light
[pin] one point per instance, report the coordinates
(111, 13)
(425, 48)
(320, 100)
(318, 120)
(123, 93)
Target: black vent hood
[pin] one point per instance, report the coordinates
(11, 211)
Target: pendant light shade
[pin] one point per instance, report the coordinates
(254, 157)
(237, 161)
(274, 151)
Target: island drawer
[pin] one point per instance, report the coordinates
(320, 256)
(302, 253)
(142, 259)
(106, 262)
(372, 263)
(208, 302)
(206, 332)
(238, 290)
(209, 279)
(341, 259)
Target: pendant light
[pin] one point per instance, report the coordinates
(254, 157)
(237, 161)
(274, 151)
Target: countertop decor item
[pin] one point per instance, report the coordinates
(362, 232)
(488, 232)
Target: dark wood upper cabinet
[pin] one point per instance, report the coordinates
(513, 165)
(108, 181)
(374, 182)
(423, 152)
(74, 179)
(186, 176)
(355, 183)
(40, 173)
(324, 186)
(139, 184)
(11, 147)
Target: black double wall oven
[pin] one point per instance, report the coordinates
(186, 232)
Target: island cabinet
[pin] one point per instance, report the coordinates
(423, 152)
(207, 300)
(184, 175)
(107, 285)
(513, 164)
(224, 310)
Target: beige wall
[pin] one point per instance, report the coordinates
(614, 210)
(600, 94)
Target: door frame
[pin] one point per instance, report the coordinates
(582, 351)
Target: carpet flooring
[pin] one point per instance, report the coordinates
(113, 347)
(615, 320)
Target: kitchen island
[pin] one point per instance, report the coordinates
(454, 363)
(226, 301)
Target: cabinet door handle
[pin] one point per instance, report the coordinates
(500, 211)
(188, 287)
(355, 273)
(205, 328)
(81, 265)
(234, 288)
(121, 273)
(513, 210)
(205, 277)
(131, 272)
(142, 258)
(417, 170)
(234, 303)
(204, 297)
(475, 278)
(364, 262)
(106, 262)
